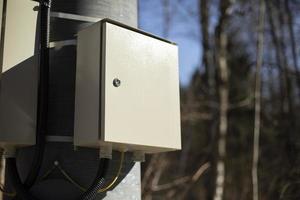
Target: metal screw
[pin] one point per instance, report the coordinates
(116, 82)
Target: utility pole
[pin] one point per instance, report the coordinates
(67, 18)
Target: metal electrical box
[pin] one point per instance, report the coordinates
(127, 90)
(19, 73)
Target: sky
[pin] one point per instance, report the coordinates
(183, 31)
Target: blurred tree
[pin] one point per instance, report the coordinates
(218, 105)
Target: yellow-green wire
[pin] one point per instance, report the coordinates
(116, 177)
(48, 172)
(69, 178)
(110, 185)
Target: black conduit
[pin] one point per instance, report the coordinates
(42, 94)
(98, 183)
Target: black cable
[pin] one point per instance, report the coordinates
(42, 106)
(98, 183)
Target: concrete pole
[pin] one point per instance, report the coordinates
(68, 17)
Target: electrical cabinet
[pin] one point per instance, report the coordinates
(127, 90)
(19, 74)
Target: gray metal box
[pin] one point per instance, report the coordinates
(19, 74)
(142, 112)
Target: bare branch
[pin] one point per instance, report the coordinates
(246, 102)
(183, 180)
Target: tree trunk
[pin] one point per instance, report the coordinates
(278, 56)
(259, 62)
(167, 18)
(278, 39)
(222, 42)
(206, 44)
(209, 81)
(289, 21)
